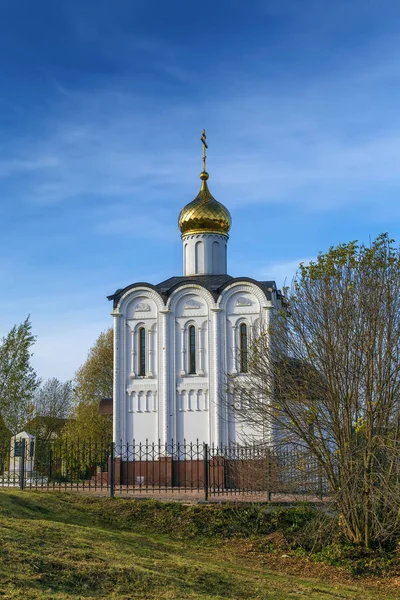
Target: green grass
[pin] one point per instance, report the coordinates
(63, 546)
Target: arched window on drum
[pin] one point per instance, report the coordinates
(243, 348)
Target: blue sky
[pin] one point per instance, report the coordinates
(101, 109)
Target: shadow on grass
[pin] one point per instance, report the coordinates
(65, 546)
(85, 562)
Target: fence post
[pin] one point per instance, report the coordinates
(22, 465)
(206, 471)
(320, 490)
(50, 463)
(112, 471)
(268, 465)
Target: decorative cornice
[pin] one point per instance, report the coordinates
(243, 301)
(187, 387)
(188, 288)
(241, 285)
(141, 387)
(200, 233)
(142, 307)
(192, 304)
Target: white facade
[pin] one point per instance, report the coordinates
(175, 343)
(166, 402)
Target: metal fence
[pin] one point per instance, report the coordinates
(198, 470)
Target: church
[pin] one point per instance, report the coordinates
(176, 342)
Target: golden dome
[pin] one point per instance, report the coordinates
(204, 214)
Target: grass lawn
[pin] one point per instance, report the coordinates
(56, 546)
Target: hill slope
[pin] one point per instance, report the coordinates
(60, 546)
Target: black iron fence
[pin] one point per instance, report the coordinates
(206, 471)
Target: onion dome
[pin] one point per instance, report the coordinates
(204, 214)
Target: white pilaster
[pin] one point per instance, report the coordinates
(133, 356)
(183, 370)
(129, 419)
(150, 353)
(164, 380)
(200, 347)
(118, 383)
(225, 368)
(234, 350)
(215, 368)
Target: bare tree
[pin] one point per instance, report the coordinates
(326, 376)
(52, 405)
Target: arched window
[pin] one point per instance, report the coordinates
(142, 351)
(192, 350)
(199, 258)
(215, 258)
(243, 348)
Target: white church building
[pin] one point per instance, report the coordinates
(175, 342)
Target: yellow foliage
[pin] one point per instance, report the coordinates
(94, 381)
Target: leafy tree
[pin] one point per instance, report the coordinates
(94, 381)
(52, 405)
(327, 376)
(18, 380)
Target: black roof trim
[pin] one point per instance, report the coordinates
(212, 283)
(267, 287)
(117, 295)
(215, 284)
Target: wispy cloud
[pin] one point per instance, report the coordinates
(282, 272)
(100, 149)
(107, 145)
(139, 226)
(27, 165)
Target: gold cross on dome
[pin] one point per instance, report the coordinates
(203, 141)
